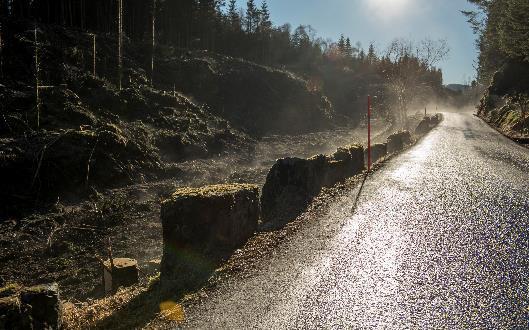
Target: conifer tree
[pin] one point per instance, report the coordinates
(362, 55)
(348, 50)
(1, 52)
(265, 23)
(120, 43)
(252, 16)
(514, 29)
(37, 70)
(233, 16)
(153, 50)
(371, 54)
(341, 45)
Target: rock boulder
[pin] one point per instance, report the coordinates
(201, 226)
(397, 141)
(378, 151)
(290, 185)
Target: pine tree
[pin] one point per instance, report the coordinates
(120, 43)
(37, 70)
(1, 52)
(252, 16)
(233, 16)
(514, 29)
(265, 22)
(153, 50)
(93, 54)
(4, 8)
(371, 54)
(348, 50)
(206, 21)
(362, 55)
(341, 45)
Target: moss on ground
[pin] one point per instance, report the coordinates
(212, 190)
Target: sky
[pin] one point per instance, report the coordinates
(380, 21)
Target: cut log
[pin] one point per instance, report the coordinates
(122, 272)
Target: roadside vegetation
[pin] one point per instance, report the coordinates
(502, 29)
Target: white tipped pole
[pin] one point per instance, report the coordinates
(120, 41)
(37, 97)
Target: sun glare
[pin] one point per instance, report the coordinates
(389, 8)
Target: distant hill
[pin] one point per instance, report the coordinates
(457, 87)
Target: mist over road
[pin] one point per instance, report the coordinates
(439, 239)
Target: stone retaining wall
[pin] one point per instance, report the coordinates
(201, 226)
(398, 141)
(428, 123)
(293, 182)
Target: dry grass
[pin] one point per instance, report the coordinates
(89, 314)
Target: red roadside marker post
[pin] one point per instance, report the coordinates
(369, 133)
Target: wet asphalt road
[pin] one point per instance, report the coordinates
(439, 239)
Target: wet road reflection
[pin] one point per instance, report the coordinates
(439, 239)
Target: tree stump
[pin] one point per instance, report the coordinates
(10, 314)
(42, 304)
(122, 272)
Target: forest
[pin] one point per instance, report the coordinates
(343, 69)
(502, 31)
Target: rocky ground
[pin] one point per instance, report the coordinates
(147, 306)
(69, 237)
(505, 104)
(84, 163)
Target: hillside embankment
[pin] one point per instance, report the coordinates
(83, 162)
(67, 129)
(505, 104)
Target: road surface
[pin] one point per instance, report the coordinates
(439, 239)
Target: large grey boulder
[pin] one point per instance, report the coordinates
(378, 152)
(290, 186)
(344, 163)
(292, 183)
(424, 126)
(201, 226)
(397, 141)
(428, 123)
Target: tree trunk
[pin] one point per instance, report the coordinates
(120, 42)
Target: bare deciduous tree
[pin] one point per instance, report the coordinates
(404, 80)
(432, 52)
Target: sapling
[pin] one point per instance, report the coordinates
(93, 54)
(37, 67)
(120, 41)
(1, 55)
(153, 39)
